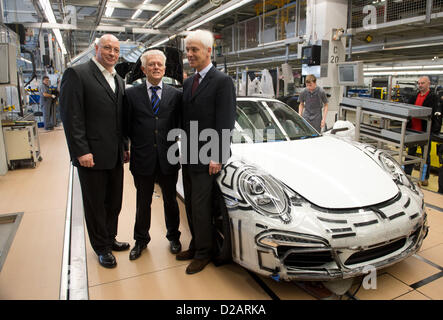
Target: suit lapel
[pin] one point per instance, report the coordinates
(143, 96)
(204, 83)
(165, 99)
(187, 92)
(101, 79)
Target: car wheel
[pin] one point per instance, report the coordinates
(222, 234)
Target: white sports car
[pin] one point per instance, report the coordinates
(299, 205)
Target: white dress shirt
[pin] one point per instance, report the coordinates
(159, 91)
(109, 76)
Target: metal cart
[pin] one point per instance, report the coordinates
(21, 142)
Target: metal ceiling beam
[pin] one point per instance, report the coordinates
(101, 11)
(131, 6)
(47, 25)
(61, 26)
(119, 5)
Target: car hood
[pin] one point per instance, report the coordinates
(326, 171)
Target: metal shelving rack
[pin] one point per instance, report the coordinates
(385, 133)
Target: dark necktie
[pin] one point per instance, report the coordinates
(155, 100)
(195, 83)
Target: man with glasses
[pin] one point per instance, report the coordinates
(426, 98)
(91, 107)
(151, 110)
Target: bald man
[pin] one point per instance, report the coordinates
(91, 102)
(426, 98)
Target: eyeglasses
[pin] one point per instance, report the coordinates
(111, 49)
(155, 64)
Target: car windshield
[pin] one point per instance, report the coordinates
(267, 121)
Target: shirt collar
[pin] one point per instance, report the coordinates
(149, 85)
(205, 70)
(426, 93)
(103, 69)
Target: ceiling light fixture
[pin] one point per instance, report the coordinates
(158, 43)
(402, 73)
(139, 11)
(403, 68)
(109, 11)
(51, 18)
(176, 12)
(226, 8)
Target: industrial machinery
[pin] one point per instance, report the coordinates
(21, 142)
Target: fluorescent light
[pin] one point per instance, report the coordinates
(136, 14)
(437, 66)
(139, 11)
(159, 43)
(109, 11)
(227, 8)
(403, 68)
(402, 73)
(25, 60)
(176, 12)
(51, 18)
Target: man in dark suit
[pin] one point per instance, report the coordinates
(91, 102)
(209, 102)
(151, 111)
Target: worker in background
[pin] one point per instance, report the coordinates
(440, 171)
(426, 98)
(47, 104)
(313, 103)
(151, 110)
(58, 119)
(91, 101)
(440, 155)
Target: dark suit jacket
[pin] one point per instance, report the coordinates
(214, 106)
(147, 131)
(92, 115)
(431, 101)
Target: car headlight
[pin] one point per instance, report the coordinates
(265, 194)
(393, 168)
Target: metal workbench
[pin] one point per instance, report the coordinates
(385, 133)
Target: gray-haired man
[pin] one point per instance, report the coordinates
(151, 111)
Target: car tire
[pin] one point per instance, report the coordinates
(222, 234)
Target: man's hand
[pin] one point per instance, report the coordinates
(126, 157)
(86, 160)
(322, 123)
(214, 167)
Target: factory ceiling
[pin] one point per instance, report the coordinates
(151, 21)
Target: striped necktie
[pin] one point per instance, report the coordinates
(155, 100)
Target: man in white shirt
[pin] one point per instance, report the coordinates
(91, 108)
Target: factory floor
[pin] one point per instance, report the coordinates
(33, 265)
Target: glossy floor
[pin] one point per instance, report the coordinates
(33, 265)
